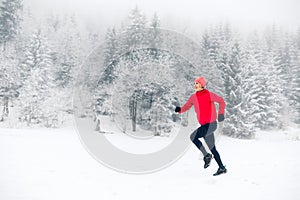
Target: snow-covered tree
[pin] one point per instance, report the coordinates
(38, 82)
(9, 83)
(293, 83)
(111, 52)
(274, 82)
(285, 62)
(120, 95)
(257, 73)
(143, 91)
(154, 35)
(297, 78)
(68, 51)
(10, 17)
(216, 44)
(135, 31)
(9, 78)
(239, 121)
(111, 55)
(273, 93)
(66, 42)
(209, 66)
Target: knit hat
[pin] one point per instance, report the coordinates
(201, 80)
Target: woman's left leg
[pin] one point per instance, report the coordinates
(210, 141)
(195, 139)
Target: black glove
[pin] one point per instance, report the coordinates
(177, 109)
(221, 117)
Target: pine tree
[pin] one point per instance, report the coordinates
(67, 42)
(135, 31)
(273, 93)
(8, 86)
(239, 122)
(273, 64)
(294, 81)
(154, 36)
(111, 52)
(9, 82)
(38, 83)
(10, 18)
(251, 91)
(286, 62)
(258, 75)
(209, 67)
(111, 56)
(217, 42)
(69, 49)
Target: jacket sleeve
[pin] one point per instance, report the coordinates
(187, 105)
(220, 101)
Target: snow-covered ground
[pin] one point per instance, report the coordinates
(51, 164)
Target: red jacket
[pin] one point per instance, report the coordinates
(203, 102)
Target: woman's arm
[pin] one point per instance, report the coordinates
(187, 105)
(220, 101)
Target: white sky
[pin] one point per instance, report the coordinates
(243, 13)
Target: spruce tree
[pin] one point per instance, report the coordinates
(209, 67)
(154, 35)
(258, 75)
(67, 43)
(274, 66)
(10, 18)
(111, 52)
(135, 31)
(37, 90)
(273, 93)
(111, 56)
(239, 122)
(294, 81)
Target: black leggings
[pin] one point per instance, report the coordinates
(207, 132)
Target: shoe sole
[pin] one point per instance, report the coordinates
(208, 164)
(221, 173)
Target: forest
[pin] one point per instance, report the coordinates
(139, 71)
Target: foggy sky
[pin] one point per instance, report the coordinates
(242, 13)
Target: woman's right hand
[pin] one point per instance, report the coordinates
(177, 109)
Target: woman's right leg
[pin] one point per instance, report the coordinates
(210, 141)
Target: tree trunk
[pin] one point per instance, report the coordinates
(5, 110)
(155, 127)
(133, 111)
(5, 106)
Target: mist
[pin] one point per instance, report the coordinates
(177, 14)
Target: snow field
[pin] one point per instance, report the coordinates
(52, 164)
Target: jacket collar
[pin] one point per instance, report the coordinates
(202, 91)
